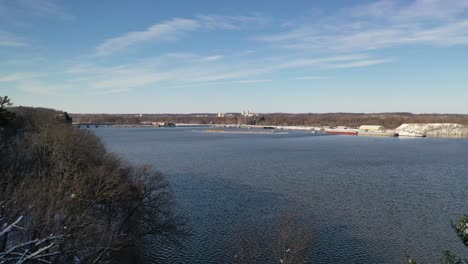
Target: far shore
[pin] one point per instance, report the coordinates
(447, 130)
(243, 132)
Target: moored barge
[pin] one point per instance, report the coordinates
(348, 132)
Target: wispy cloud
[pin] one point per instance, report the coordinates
(36, 83)
(166, 31)
(314, 61)
(440, 9)
(20, 76)
(408, 10)
(180, 70)
(46, 8)
(311, 78)
(230, 22)
(255, 81)
(22, 14)
(380, 25)
(40, 88)
(175, 29)
(12, 43)
(359, 64)
(213, 58)
(10, 40)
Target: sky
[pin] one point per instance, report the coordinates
(151, 56)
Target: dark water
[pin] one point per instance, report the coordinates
(367, 200)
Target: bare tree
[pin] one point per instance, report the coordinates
(66, 183)
(5, 114)
(5, 102)
(461, 227)
(37, 250)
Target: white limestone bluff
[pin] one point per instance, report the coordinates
(435, 129)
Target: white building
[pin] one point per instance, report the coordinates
(371, 127)
(247, 114)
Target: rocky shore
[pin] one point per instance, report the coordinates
(436, 129)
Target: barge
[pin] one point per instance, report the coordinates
(348, 132)
(378, 133)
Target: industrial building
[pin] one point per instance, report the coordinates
(371, 127)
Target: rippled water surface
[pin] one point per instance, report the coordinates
(367, 200)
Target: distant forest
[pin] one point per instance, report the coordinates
(388, 120)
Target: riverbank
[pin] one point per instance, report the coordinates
(446, 130)
(388, 120)
(405, 130)
(245, 132)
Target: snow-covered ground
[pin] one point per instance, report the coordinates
(435, 129)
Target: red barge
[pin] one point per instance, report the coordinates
(342, 132)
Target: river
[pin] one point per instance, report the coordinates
(365, 199)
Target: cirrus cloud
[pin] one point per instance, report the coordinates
(175, 29)
(379, 25)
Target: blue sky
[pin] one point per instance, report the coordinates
(227, 56)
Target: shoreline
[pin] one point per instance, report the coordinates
(244, 132)
(403, 133)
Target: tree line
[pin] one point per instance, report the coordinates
(65, 199)
(388, 120)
